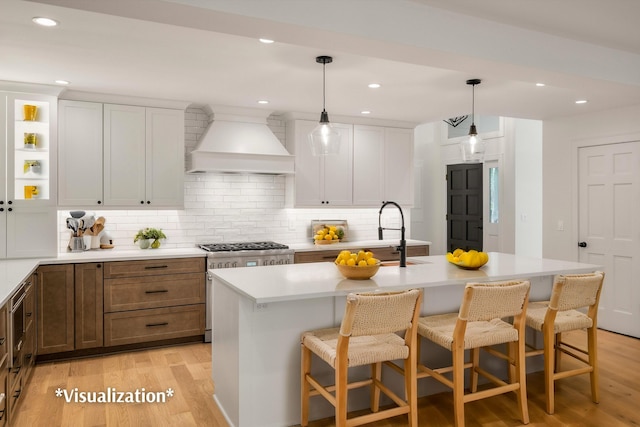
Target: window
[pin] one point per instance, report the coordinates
(494, 213)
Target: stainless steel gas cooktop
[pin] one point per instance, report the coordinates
(241, 246)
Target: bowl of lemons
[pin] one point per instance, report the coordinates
(328, 234)
(468, 260)
(359, 265)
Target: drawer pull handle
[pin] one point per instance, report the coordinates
(2, 340)
(159, 291)
(28, 314)
(151, 325)
(152, 267)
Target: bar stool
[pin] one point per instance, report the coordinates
(479, 323)
(552, 318)
(368, 335)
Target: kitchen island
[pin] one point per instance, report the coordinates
(260, 312)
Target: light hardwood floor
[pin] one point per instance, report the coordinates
(187, 370)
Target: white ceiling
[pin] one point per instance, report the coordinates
(420, 51)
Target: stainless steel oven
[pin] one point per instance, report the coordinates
(236, 255)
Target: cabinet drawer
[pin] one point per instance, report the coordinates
(153, 267)
(131, 327)
(133, 293)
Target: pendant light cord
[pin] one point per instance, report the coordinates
(324, 90)
(473, 104)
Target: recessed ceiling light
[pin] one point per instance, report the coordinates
(266, 41)
(62, 82)
(540, 84)
(374, 85)
(45, 22)
(365, 112)
(263, 101)
(581, 101)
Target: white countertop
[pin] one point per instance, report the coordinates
(357, 244)
(315, 280)
(105, 255)
(14, 271)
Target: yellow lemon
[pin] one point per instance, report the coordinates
(342, 262)
(351, 261)
(372, 261)
(328, 237)
(362, 263)
(361, 256)
(368, 255)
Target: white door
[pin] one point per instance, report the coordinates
(609, 203)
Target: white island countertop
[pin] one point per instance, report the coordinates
(315, 280)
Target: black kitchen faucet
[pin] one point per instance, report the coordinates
(403, 243)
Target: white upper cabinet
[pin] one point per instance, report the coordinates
(164, 157)
(127, 156)
(80, 154)
(320, 181)
(382, 165)
(124, 155)
(28, 175)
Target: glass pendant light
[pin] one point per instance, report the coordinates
(472, 147)
(324, 138)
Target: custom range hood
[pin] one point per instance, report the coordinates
(239, 141)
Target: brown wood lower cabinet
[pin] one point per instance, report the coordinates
(88, 307)
(88, 285)
(387, 253)
(128, 327)
(55, 296)
(4, 372)
(153, 300)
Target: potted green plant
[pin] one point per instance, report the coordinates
(149, 237)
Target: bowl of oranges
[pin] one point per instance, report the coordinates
(468, 260)
(359, 265)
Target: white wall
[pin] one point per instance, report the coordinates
(517, 147)
(233, 208)
(528, 191)
(561, 139)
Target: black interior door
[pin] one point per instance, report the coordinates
(464, 206)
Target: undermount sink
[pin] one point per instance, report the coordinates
(397, 263)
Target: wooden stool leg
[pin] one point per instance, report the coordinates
(458, 386)
(549, 366)
(305, 364)
(592, 337)
(411, 388)
(376, 375)
(520, 374)
(341, 394)
(473, 375)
